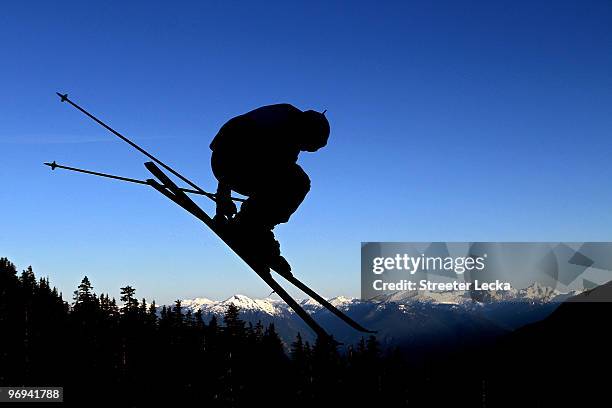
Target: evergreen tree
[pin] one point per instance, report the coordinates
(92, 347)
(113, 310)
(84, 291)
(8, 287)
(361, 347)
(28, 282)
(199, 319)
(213, 325)
(152, 312)
(273, 345)
(373, 347)
(307, 350)
(297, 349)
(258, 331)
(189, 317)
(8, 273)
(234, 326)
(143, 307)
(85, 301)
(177, 312)
(212, 332)
(130, 303)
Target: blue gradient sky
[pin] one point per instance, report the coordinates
(450, 121)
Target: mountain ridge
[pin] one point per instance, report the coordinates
(402, 319)
(275, 307)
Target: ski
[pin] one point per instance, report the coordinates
(178, 195)
(323, 302)
(263, 271)
(173, 192)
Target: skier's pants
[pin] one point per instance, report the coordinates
(274, 192)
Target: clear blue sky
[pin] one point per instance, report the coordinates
(450, 121)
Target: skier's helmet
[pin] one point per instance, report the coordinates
(316, 130)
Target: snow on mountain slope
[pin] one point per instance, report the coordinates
(275, 307)
(539, 293)
(403, 318)
(267, 306)
(197, 303)
(533, 293)
(450, 297)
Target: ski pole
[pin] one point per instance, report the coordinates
(54, 166)
(64, 98)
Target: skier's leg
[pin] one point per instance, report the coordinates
(277, 196)
(294, 186)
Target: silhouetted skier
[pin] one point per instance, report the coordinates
(255, 154)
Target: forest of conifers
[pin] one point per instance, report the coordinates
(134, 354)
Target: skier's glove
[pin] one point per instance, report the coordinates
(225, 205)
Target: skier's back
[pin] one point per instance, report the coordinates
(255, 154)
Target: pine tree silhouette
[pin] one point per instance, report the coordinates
(234, 326)
(130, 304)
(143, 355)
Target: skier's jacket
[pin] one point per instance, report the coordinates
(269, 135)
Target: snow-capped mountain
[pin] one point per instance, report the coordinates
(539, 293)
(403, 318)
(534, 293)
(406, 297)
(268, 306)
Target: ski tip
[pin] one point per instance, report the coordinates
(329, 340)
(362, 329)
(63, 97)
(53, 165)
(335, 342)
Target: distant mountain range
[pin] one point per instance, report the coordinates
(535, 293)
(409, 320)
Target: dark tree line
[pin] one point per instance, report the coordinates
(130, 355)
(134, 354)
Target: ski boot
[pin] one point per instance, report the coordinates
(257, 243)
(277, 262)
